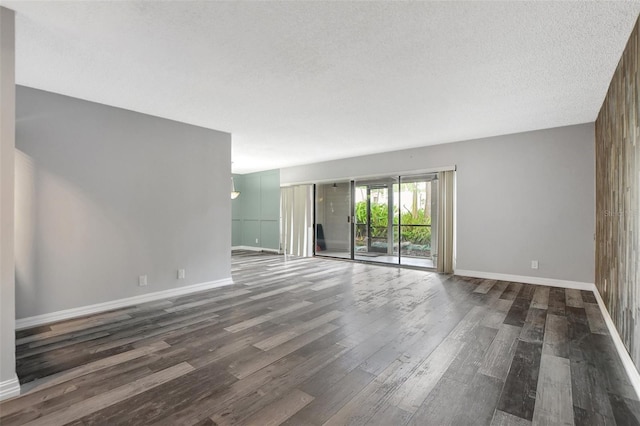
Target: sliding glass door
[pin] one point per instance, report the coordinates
(391, 219)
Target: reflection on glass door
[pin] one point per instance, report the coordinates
(333, 224)
(376, 221)
(418, 220)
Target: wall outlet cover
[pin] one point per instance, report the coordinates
(142, 280)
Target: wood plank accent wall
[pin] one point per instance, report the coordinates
(618, 198)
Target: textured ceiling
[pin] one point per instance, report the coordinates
(300, 82)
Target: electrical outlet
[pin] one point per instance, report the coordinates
(534, 264)
(181, 274)
(257, 241)
(142, 280)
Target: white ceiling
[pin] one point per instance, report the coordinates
(301, 82)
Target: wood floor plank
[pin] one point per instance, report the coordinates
(511, 292)
(326, 405)
(574, 298)
(485, 286)
(266, 317)
(388, 415)
(596, 321)
(541, 298)
(22, 353)
(554, 403)
(85, 322)
(589, 395)
(500, 418)
(519, 392)
(99, 402)
(33, 399)
(463, 330)
(79, 328)
(626, 411)
(533, 329)
(497, 290)
(207, 301)
(588, 297)
(285, 336)
(50, 363)
(156, 403)
(33, 331)
(578, 333)
(437, 408)
(517, 315)
(412, 393)
(366, 343)
(99, 365)
(527, 291)
(140, 315)
(241, 400)
(602, 353)
(60, 397)
(278, 412)
(359, 409)
(500, 354)
(262, 360)
(556, 340)
(498, 311)
(479, 397)
(465, 365)
(277, 291)
(557, 301)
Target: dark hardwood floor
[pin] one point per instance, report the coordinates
(313, 342)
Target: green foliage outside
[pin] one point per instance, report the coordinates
(379, 221)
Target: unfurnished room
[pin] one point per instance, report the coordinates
(319, 213)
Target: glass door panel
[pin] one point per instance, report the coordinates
(417, 219)
(333, 224)
(375, 221)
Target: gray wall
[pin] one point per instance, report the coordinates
(105, 195)
(7, 148)
(256, 212)
(522, 197)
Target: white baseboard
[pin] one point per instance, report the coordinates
(629, 366)
(552, 282)
(250, 248)
(9, 388)
(119, 303)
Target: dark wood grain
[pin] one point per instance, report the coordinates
(519, 394)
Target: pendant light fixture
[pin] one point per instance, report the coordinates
(234, 193)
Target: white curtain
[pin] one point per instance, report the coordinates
(446, 191)
(296, 217)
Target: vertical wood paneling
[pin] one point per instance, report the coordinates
(617, 198)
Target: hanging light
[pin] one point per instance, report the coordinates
(234, 193)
